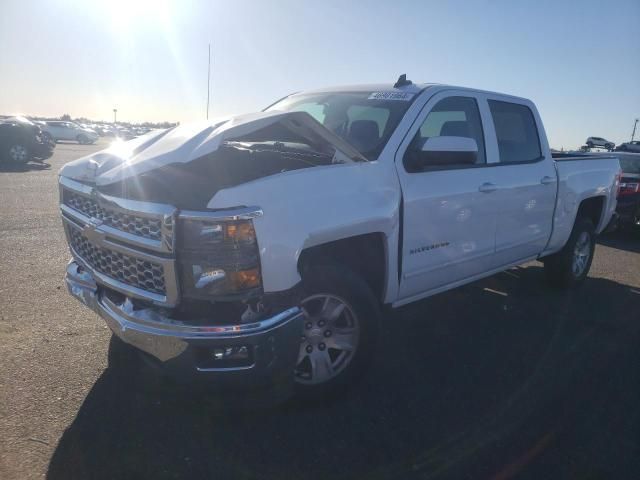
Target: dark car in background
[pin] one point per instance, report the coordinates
(21, 141)
(632, 146)
(629, 196)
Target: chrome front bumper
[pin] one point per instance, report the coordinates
(188, 351)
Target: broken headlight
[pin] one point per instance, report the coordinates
(218, 258)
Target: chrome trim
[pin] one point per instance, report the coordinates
(240, 213)
(166, 214)
(168, 265)
(151, 321)
(153, 331)
(76, 216)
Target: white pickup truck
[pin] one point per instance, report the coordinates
(261, 249)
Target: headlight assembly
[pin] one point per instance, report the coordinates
(218, 258)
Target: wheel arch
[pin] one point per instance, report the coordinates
(592, 208)
(366, 254)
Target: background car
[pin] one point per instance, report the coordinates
(628, 208)
(21, 141)
(599, 142)
(633, 146)
(60, 130)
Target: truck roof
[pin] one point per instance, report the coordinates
(371, 87)
(389, 87)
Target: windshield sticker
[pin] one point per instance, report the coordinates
(402, 96)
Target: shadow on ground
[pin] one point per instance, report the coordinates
(500, 378)
(23, 167)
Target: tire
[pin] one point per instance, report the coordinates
(340, 333)
(18, 153)
(82, 139)
(570, 266)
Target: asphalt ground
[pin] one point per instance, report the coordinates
(503, 378)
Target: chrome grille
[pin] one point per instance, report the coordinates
(143, 274)
(150, 228)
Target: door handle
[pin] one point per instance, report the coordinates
(546, 180)
(487, 187)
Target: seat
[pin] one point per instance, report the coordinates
(364, 135)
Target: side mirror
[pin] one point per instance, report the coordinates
(444, 151)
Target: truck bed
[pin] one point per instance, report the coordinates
(581, 176)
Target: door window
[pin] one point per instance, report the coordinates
(450, 117)
(516, 132)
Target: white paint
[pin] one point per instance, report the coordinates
(457, 227)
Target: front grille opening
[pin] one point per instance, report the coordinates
(140, 226)
(136, 272)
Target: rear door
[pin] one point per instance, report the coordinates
(68, 131)
(449, 213)
(526, 179)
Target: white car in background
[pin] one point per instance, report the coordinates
(599, 142)
(59, 130)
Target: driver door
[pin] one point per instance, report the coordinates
(449, 210)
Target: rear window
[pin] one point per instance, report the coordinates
(516, 132)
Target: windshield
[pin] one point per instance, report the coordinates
(630, 165)
(361, 118)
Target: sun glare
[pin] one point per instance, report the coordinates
(126, 15)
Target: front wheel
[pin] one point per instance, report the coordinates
(83, 139)
(18, 153)
(570, 266)
(340, 331)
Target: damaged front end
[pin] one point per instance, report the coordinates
(181, 282)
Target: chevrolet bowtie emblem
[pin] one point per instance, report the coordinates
(91, 232)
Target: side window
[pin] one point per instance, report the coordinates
(516, 132)
(450, 117)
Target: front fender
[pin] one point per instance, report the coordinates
(310, 207)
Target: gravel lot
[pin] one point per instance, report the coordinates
(501, 378)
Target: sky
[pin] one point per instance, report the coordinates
(579, 61)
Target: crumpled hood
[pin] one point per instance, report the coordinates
(185, 143)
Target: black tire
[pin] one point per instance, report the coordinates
(559, 267)
(82, 139)
(338, 282)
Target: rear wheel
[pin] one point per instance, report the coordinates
(570, 266)
(18, 153)
(340, 331)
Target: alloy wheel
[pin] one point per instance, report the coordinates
(581, 254)
(19, 153)
(329, 341)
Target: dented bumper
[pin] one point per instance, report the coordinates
(220, 354)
